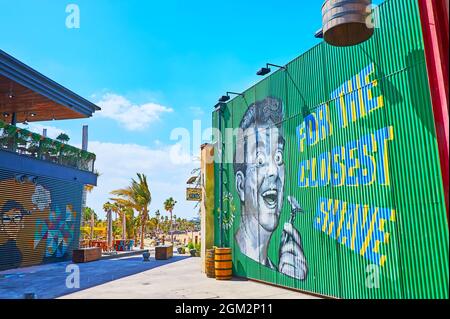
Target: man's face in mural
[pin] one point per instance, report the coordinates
(12, 216)
(261, 186)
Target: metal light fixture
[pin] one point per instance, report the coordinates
(267, 70)
(5, 114)
(10, 94)
(226, 98)
(33, 114)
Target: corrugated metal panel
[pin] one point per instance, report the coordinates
(394, 229)
(39, 222)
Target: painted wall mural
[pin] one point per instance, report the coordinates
(334, 183)
(260, 184)
(39, 223)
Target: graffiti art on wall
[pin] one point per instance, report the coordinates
(260, 183)
(30, 211)
(229, 211)
(57, 232)
(12, 216)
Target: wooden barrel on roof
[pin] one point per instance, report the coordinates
(347, 22)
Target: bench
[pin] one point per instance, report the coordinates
(163, 252)
(86, 255)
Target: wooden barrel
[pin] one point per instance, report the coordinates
(347, 22)
(210, 263)
(223, 264)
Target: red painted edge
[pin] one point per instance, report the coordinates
(434, 16)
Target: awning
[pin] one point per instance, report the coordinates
(34, 97)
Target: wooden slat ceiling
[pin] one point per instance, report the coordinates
(26, 103)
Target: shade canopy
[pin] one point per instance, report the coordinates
(34, 97)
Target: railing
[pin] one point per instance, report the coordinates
(30, 144)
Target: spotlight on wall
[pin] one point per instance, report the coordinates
(20, 178)
(31, 179)
(224, 98)
(264, 71)
(5, 114)
(33, 114)
(267, 70)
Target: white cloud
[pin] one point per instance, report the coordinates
(197, 111)
(133, 117)
(167, 176)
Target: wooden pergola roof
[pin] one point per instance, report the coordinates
(34, 97)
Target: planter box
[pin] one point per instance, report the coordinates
(86, 255)
(163, 252)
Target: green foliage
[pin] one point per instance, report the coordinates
(136, 197)
(63, 138)
(169, 204)
(191, 245)
(87, 214)
(36, 145)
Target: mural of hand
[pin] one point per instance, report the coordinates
(292, 260)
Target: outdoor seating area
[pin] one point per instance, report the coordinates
(118, 245)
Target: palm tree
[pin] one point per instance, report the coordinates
(169, 205)
(90, 217)
(118, 209)
(158, 215)
(138, 197)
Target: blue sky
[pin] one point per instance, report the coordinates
(169, 60)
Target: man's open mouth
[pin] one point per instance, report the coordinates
(270, 197)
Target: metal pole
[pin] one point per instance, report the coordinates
(84, 143)
(14, 119)
(221, 178)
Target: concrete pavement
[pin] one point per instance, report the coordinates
(183, 280)
(49, 281)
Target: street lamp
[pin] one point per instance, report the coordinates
(267, 70)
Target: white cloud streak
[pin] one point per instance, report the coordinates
(131, 116)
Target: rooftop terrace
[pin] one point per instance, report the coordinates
(24, 142)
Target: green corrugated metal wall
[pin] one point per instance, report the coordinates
(416, 251)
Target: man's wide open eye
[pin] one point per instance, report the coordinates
(260, 159)
(279, 158)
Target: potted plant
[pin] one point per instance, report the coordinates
(192, 249)
(198, 249)
(146, 256)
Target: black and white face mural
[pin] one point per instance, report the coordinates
(260, 183)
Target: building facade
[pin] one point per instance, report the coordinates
(41, 180)
(333, 184)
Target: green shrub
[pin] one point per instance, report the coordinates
(191, 245)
